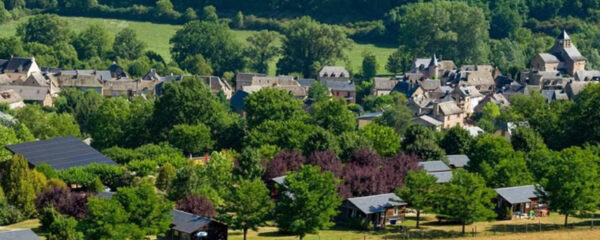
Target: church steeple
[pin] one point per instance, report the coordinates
(433, 67)
(564, 40)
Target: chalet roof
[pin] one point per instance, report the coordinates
(442, 177)
(434, 166)
(24, 234)
(458, 160)
(60, 153)
(376, 203)
(187, 222)
(520, 194)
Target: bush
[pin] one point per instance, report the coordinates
(11, 215)
(360, 224)
(142, 168)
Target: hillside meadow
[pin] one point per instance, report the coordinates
(156, 37)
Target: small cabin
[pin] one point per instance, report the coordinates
(379, 210)
(187, 226)
(518, 202)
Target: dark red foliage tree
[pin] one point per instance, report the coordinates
(283, 162)
(367, 173)
(395, 169)
(64, 201)
(327, 160)
(359, 180)
(365, 157)
(194, 204)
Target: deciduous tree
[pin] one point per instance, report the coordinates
(313, 205)
(248, 206)
(419, 191)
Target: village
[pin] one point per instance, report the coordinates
(441, 96)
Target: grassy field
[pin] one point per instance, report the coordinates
(496, 230)
(156, 37)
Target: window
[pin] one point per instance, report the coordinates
(396, 211)
(527, 205)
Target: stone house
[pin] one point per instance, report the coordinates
(564, 57)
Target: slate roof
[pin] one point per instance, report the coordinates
(384, 83)
(29, 93)
(449, 108)
(60, 153)
(434, 166)
(428, 121)
(442, 177)
(18, 64)
(520, 194)
(187, 222)
(340, 85)
(548, 58)
(25, 234)
(458, 160)
(306, 82)
(430, 84)
(370, 115)
(334, 71)
(376, 203)
(10, 96)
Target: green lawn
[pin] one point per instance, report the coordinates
(518, 229)
(157, 36)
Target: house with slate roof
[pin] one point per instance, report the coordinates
(187, 226)
(449, 113)
(60, 153)
(379, 210)
(24, 234)
(342, 89)
(519, 201)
